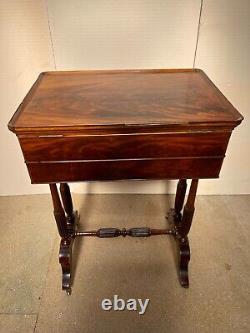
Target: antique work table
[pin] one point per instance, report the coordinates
(123, 124)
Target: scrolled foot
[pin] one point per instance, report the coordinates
(65, 255)
(183, 262)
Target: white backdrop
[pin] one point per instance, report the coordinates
(57, 34)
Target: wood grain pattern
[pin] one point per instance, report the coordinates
(124, 146)
(124, 169)
(95, 99)
(124, 124)
(119, 125)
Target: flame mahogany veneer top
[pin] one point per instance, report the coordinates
(123, 99)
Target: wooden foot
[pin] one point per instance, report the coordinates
(182, 223)
(66, 221)
(65, 257)
(183, 262)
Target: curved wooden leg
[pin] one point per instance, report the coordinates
(67, 204)
(174, 215)
(179, 199)
(65, 258)
(182, 223)
(65, 224)
(59, 213)
(183, 262)
(188, 211)
(182, 230)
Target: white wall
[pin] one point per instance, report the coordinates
(123, 34)
(25, 51)
(38, 36)
(224, 53)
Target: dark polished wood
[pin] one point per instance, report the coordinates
(115, 146)
(73, 171)
(184, 258)
(124, 124)
(58, 211)
(65, 259)
(188, 211)
(66, 228)
(112, 125)
(67, 203)
(179, 198)
(93, 99)
(132, 232)
(182, 230)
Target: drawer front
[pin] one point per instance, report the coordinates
(168, 168)
(132, 146)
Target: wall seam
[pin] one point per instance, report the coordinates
(50, 33)
(198, 34)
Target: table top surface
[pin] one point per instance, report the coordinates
(69, 100)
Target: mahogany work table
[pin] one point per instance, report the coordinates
(123, 124)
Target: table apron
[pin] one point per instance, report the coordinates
(139, 146)
(162, 168)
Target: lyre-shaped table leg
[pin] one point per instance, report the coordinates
(183, 229)
(66, 221)
(65, 259)
(66, 227)
(182, 224)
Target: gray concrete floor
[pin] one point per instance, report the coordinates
(218, 299)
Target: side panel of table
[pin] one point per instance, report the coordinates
(125, 169)
(102, 147)
(118, 157)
